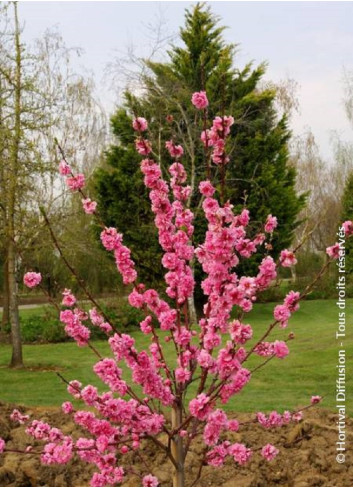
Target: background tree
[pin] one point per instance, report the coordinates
(41, 98)
(258, 174)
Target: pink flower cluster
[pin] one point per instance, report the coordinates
(199, 100)
(98, 320)
(18, 417)
(64, 168)
(174, 224)
(89, 206)
(287, 258)
(334, 251)
(275, 420)
(216, 138)
(32, 279)
(348, 228)
(69, 299)
(240, 453)
(283, 312)
(74, 326)
(150, 481)
(112, 241)
(143, 146)
(76, 182)
(271, 223)
(269, 452)
(140, 124)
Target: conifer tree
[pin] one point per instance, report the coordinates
(258, 175)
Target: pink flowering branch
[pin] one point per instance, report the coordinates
(209, 355)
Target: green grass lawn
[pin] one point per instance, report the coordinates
(282, 384)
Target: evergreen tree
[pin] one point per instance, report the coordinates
(347, 215)
(258, 174)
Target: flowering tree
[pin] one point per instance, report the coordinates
(181, 397)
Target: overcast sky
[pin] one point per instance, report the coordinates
(311, 42)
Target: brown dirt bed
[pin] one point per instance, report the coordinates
(307, 460)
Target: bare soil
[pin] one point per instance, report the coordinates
(307, 456)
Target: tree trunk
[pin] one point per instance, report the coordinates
(16, 359)
(191, 300)
(177, 449)
(192, 310)
(5, 306)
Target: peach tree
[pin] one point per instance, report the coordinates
(180, 397)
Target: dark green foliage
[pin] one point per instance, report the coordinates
(41, 328)
(46, 327)
(258, 174)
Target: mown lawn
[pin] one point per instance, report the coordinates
(282, 384)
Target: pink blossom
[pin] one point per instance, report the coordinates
(76, 182)
(269, 452)
(204, 359)
(199, 100)
(315, 399)
(271, 223)
(139, 124)
(74, 388)
(348, 228)
(39, 430)
(16, 415)
(2, 445)
(32, 279)
(206, 188)
(280, 349)
(240, 453)
(150, 481)
(287, 258)
(143, 146)
(222, 124)
(136, 299)
(74, 326)
(240, 333)
(54, 453)
(333, 251)
(298, 416)
(182, 375)
(89, 394)
(106, 327)
(89, 206)
(182, 337)
(175, 151)
(199, 407)
(108, 371)
(95, 317)
(145, 325)
(233, 425)
(64, 168)
(67, 407)
(217, 455)
(282, 314)
(68, 298)
(292, 300)
(110, 238)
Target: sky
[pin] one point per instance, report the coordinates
(310, 42)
